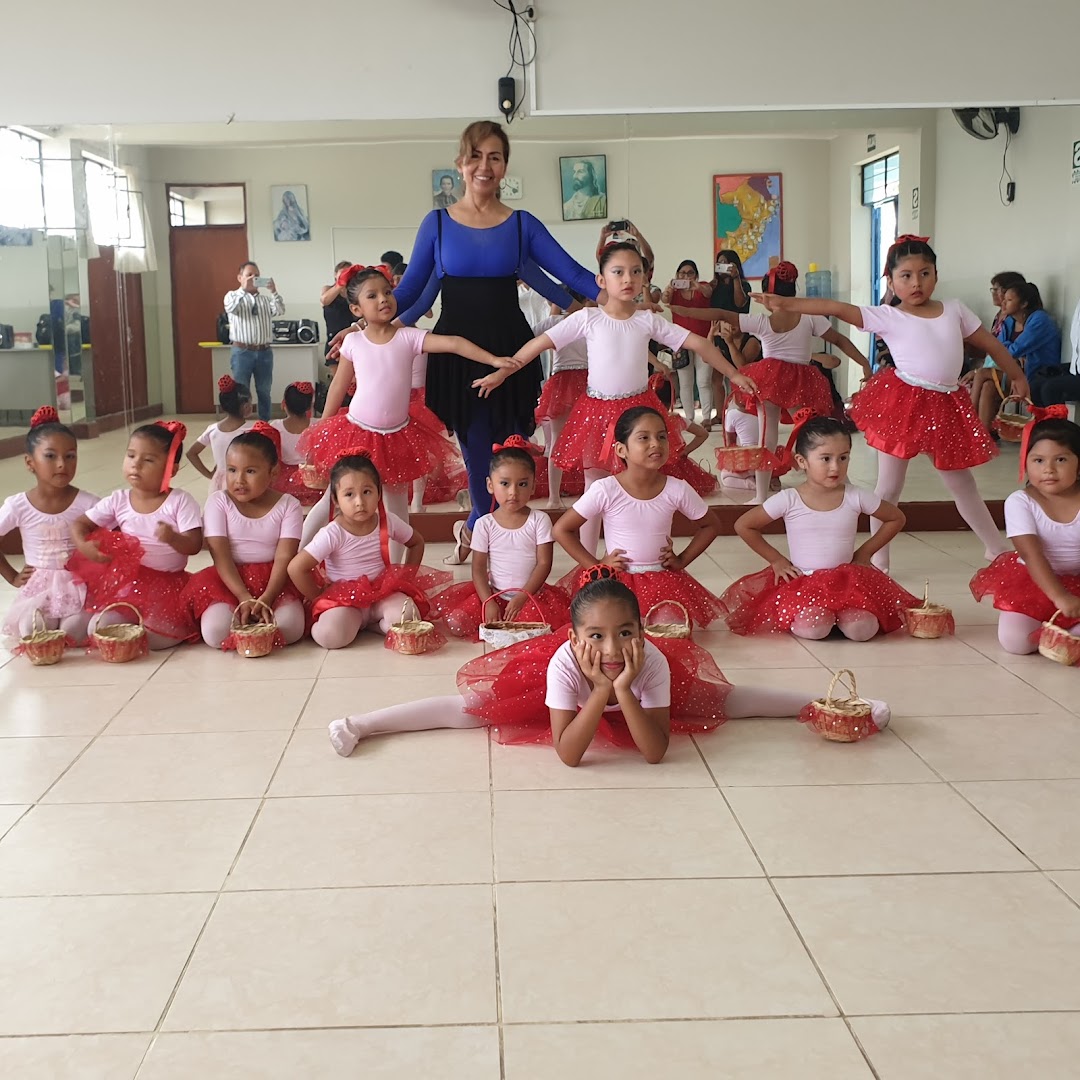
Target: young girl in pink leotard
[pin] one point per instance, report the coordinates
(380, 358)
(235, 403)
(296, 402)
(448, 477)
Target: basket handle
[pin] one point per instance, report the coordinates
(1050, 621)
(851, 684)
(38, 618)
(503, 592)
(123, 603)
(926, 594)
(254, 603)
(405, 607)
(673, 603)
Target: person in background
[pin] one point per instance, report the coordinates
(335, 307)
(687, 290)
(1063, 387)
(728, 289)
(984, 392)
(536, 310)
(390, 258)
(251, 331)
(1036, 338)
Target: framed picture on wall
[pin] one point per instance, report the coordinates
(748, 218)
(446, 188)
(584, 187)
(288, 204)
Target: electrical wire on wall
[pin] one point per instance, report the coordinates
(521, 44)
(1007, 194)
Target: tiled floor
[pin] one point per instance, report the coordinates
(193, 885)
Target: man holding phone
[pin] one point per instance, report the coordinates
(251, 331)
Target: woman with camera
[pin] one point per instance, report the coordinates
(687, 291)
(730, 290)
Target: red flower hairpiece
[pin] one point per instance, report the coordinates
(303, 387)
(599, 572)
(907, 238)
(226, 384)
(350, 272)
(263, 428)
(178, 432)
(45, 415)
(517, 442)
(354, 451)
(1051, 412)
(782, 271)
(785, 457)
(657, 381)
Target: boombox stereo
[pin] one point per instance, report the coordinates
(295, 332)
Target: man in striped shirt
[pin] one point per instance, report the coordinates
(251, 331)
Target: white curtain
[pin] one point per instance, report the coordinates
(118, 217)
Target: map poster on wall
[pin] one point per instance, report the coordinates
(748, 218)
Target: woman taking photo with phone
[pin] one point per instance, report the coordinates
(728, 289)
(687, 291)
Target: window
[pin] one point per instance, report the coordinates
(881, 180)
(177, 215)
(22, 204)
(117, 216)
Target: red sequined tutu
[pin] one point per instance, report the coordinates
(415, 582)
(587, 440)
(904, 421)
(158, 595)
(459, 608)
(448, 475)
(288, 480)
(791, 386)
(561, 392)
(506, 689)
(653, 587)
(757, 605)
(401, 456)
(1009, 582)
(683, 467)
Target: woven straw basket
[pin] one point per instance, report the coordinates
(668, 630)
(254, 639)
(43, 647)
(1010, 426)
(410, 637)
(840, 719)
(1057, 644)
(740, 458)
(929, 620)
(501, 632)
(314, 478)
(121, 642)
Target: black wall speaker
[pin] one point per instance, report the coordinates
(507, 96)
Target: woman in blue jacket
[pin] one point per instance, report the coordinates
(1036, 338)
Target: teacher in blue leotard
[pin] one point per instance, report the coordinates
(475, 251)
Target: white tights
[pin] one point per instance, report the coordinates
(552, 431)
(157, 642)
(339, 627)
(960, 483)
(75, 626)
(1015, 630)
(816, 623)
(395, 499)
(216, 622)
(769, 437)
(449, 712)
(590, 531)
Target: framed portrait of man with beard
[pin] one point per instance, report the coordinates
(584, 187)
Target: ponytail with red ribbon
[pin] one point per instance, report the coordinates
(785, 457)
(1051, 412)
(261, 427)
(178, 433)
(45, 415)
(783, 271)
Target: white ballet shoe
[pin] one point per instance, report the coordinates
(343, 740)
(553, 504)
(464, 500)
(880, 713)
(461, 550)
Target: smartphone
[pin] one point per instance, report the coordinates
(618, 226)
(724, 268)
(263, 282)
(681, 283)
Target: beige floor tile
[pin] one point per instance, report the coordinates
(1046, 746)
(72, 1057)
(61, 709)
(1069, 880)
(962, 690)
(361, 957)
(985, 639)
(193, 664)
(870, 829)
(768, 651)
(92, 964)
(966, 610)
(943, 579)
(369, 657)
(940, 943)
(465, 1053)
(29, 766)
(80, 669)
(767, 752)
(1048, 680)
(408, 762)
(893, 650)
(689, 1050)
(811, 681)
(998, 1046)
(357, 840)
(651, 950)
(242, 706)
(209, 765)
(538, 767)
(1041, 817)
(9, 814)
(340, 697)
(149, 847)
(963, 546)
(658, 833)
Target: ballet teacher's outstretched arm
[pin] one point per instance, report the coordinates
(831, 309)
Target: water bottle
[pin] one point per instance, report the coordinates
(819, 283)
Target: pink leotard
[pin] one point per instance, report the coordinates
(218, 441)
(1060, 540)
(820, 539)
(289, 456)
(744, 426)
(511, 552)
(792, 345)
(618, 348)
(349, 557)
(927, 352)
(573, 357)
(252, 540)
(383, 378)
(46, 538)
(419, 371)
(179, 510)
(640, 527)
(569, 690)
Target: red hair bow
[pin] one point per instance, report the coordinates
(785, 458)
(45, 415)
(657, 381)
(350, 272)
(599, 572)
(782, 271)
(354, 451)
(516, 442)
(907, 238)
(226, 384)
(178, 432)
(271, 432)
(303, 387)
(1051, 412)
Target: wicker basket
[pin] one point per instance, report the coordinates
(44, 646)
(668, 630)
(1056, 643)
(314, 478)
(254, 639)
(739, 459)
(929, 620)
(503, 632)
(410, 637)
(121, 642)
(1010, 426)
(840, 719)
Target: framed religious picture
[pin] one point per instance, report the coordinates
(288, 204)
(446, 188)
(584, 187)
(748, 217)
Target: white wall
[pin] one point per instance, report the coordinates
(413, 58)
(24, 284)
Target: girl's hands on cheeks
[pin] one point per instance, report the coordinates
(634, 655)
(591, 666)
(784, 571)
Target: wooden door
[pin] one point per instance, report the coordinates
(204, 262)
(118, 335)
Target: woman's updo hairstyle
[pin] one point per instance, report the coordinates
(601, 583)
(476, 133)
